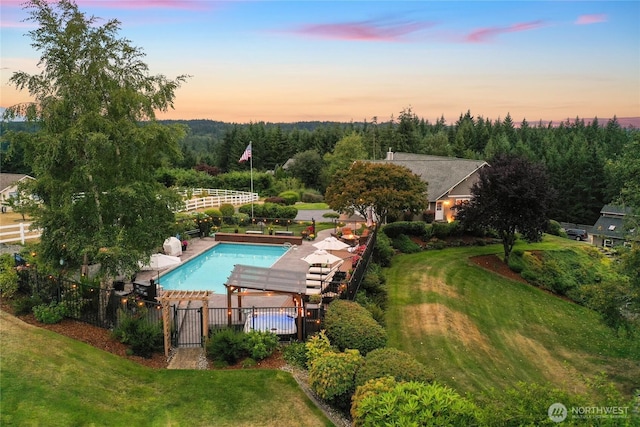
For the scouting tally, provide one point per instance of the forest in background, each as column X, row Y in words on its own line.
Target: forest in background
column 576, row 153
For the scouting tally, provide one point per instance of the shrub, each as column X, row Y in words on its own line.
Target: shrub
column 387, row 402
column 410, row 228
column 227, row 211
column 388, row 361
column 227, row 345
column 215, row 215
column 311, row 197
column 49, row 314
column 25, row 304
column 295, row 353
column 290, row 197
column 275, row 199
column 141, row 334
column 554, row 227
column 383, row 251
column 516, row 263
column 351, row 326
column 318, row 345
column 405, row 245
column 260, row 344
column 332, row 377
column 8, row 276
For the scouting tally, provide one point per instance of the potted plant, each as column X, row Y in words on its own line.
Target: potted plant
column 270, row 230
column 185, row 243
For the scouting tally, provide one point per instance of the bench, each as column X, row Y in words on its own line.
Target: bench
column 192, row 233
column 283, row 233
column 254, row 232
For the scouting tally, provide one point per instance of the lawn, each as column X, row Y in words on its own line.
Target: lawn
column 48, row 379
column 478, row 330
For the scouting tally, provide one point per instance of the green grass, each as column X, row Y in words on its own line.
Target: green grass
column 478, row 330
column 48, row 379
column 301, row 206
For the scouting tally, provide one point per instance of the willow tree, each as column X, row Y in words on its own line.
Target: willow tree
column 98, row 142
column 377, row 189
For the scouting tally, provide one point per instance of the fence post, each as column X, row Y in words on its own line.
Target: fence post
column 22, row 232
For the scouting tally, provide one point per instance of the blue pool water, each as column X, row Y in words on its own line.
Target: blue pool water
column 211, row 269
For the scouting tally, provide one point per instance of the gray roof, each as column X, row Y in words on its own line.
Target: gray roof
column 9, row 179
column 441, row 173
column 609, row 226
column 268, row 279
column 615, row 210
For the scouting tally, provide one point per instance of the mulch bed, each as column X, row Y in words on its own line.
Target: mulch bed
column 495, row 264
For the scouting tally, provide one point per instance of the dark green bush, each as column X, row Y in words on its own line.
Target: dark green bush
column 227, row 345
column 410, row 228
column 405, row 245
column 351, row 326
column 515, row 263
column 383, row 251
column 275, row 199
column 49, row 313
column 24, row 305
column 260, row 344
column 295, row 353
column 143, row 335
column 389, row 361
column 554, row 227
column 311, row 197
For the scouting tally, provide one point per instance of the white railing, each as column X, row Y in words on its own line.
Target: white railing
column 213, row 198
column 18, row 233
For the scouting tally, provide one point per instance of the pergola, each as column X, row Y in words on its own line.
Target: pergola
column 247, row 280
column 169, row 296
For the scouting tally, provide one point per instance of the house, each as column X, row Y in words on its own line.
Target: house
column 609, row 230
column 449, row 179
column 9, row 187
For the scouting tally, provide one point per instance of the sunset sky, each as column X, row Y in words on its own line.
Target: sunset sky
column 293, row 61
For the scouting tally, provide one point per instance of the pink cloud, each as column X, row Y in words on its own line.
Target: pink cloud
column 484, row 34
column 591, row 19
column 362, row 31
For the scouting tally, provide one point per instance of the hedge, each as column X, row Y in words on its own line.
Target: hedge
column 351, row 326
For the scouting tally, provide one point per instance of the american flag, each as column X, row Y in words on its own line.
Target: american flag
column 247, row 153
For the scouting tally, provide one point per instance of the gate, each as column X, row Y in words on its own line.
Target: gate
column 186, row 327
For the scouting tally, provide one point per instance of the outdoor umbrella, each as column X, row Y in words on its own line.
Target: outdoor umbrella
column 331, row 244
column 321, row 256
column 161, row 261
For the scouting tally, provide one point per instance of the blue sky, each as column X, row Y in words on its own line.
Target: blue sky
column 289, row 61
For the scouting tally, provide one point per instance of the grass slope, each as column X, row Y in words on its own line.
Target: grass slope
column 478, row 330
column 48, row 379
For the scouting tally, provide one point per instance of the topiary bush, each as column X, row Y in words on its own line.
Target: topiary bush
column 389, row 361
column 332, row 377
column 385, row 402
column 351, row 326
column 290, row 197
column 215, row 215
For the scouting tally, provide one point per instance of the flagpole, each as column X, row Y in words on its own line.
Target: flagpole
column 251, row 168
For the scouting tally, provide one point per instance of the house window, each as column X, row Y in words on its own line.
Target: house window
column 439, row 206
column 612, row 227
column 607, row 243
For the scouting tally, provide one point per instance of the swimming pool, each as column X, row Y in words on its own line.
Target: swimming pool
column 211, row 269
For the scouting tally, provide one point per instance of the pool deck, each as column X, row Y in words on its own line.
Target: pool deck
column 290, row 261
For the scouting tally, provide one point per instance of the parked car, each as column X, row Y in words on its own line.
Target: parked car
column 577, row 234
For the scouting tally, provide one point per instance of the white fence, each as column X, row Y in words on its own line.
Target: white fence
column 210, row 198
column 213, row 198
column 18, row 233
